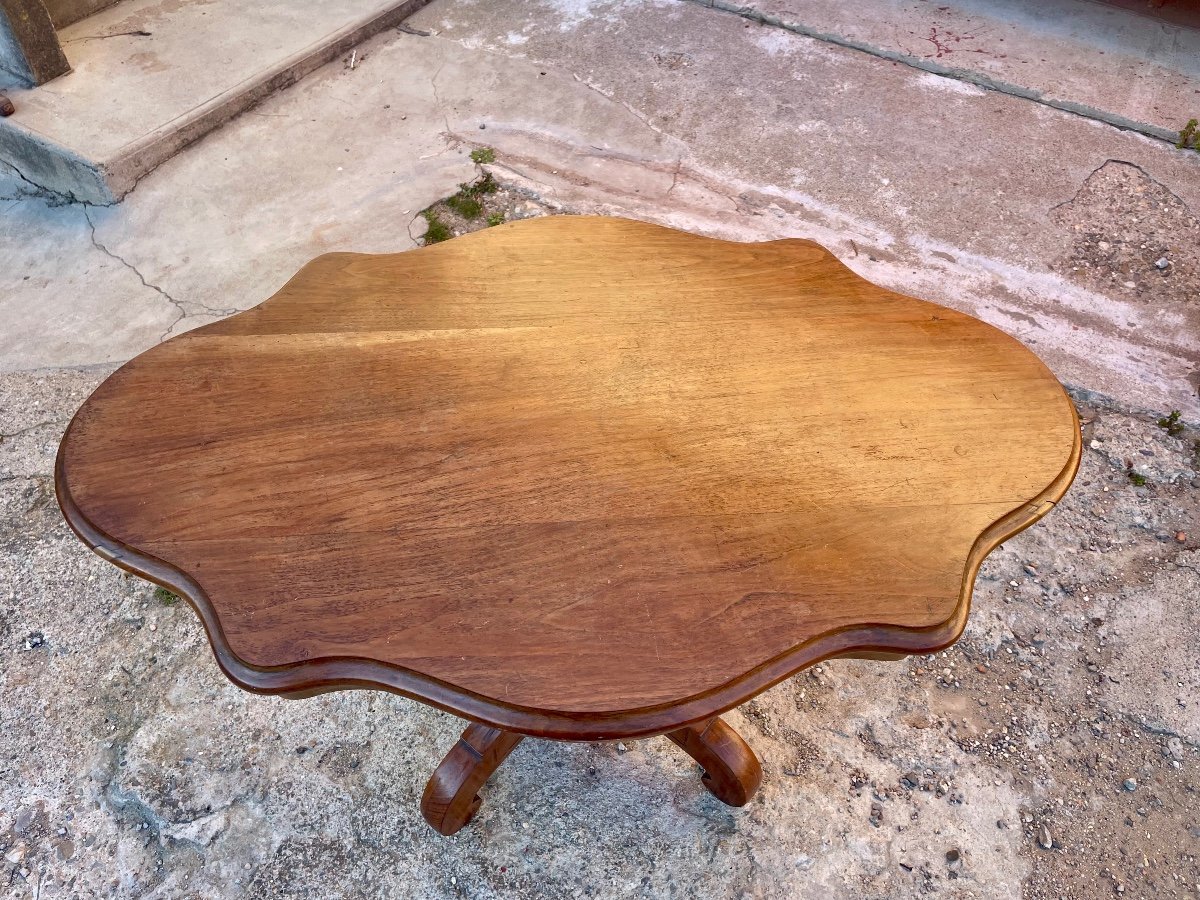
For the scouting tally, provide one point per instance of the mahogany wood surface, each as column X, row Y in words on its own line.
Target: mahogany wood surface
column 574, row 477
column 451, row 796
column 732, row 772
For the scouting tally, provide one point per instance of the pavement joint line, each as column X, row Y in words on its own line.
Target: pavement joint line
column 1082, row 110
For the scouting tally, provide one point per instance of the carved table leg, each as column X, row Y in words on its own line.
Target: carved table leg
column 451, row 797
column 731, row 770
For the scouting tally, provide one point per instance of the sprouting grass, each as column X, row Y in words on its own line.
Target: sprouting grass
column 465, row 205
column 1171, row 424
column 1189, row 136
column 438, row 230
column 165, row 597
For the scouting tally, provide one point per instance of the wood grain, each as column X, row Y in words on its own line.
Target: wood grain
column 732, row 772
column 574, row 477
column 451, row 798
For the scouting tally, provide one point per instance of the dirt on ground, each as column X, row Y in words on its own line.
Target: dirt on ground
column 1154, row 254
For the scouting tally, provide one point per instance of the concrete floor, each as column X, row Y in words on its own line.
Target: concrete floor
column 1046, row 223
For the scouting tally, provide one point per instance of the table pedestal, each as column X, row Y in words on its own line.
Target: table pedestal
column 732, row 772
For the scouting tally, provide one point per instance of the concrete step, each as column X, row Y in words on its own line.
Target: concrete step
column 151, row 76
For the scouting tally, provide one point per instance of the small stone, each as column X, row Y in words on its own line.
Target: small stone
column 953, row 856
column 17, row 853
column 1045, row 838
column 1130, row 784
column 910, row 780
column 621, row 748
column 1181, row 536
column 1130, row 284
column 34, row 640
column 24, row 819
column 1161, row 263
column 1174, row 748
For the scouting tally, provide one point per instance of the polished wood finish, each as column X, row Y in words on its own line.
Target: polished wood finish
column 575, row 477
column 732, row 772
column 451, row 797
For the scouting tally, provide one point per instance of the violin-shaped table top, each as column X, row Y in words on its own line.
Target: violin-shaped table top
column 575, row 477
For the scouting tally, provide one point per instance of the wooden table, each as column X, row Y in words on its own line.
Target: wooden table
column 573, row 478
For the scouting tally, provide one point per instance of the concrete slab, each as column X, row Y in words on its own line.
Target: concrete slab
column 151, row 76
column 1117, row 65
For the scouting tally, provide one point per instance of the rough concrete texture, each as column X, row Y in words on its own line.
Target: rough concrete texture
column 1123, row 66
column 151, row 76
column 1052, row 753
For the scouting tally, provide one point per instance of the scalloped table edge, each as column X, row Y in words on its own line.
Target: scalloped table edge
column 321, row 675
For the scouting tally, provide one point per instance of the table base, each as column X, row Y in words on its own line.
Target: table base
column 732, row 772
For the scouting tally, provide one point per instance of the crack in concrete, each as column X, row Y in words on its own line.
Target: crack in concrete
column 154, row 287
column 1123, row 162
column 20, row 431
column 178, row 304
column 645, row 120
column 1083, row 110
column 39, row 192
column 1159, row 730
column 437, row 97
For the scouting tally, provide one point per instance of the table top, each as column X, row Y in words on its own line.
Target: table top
column 577, row 477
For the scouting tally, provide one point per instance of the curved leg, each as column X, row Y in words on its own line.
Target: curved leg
column 451, row 797
column 731, row 770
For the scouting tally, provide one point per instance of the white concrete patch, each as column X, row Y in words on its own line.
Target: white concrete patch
column 777, row 42
column 950, row 85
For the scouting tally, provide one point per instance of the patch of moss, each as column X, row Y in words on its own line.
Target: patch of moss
column 438, row 230
column 481, row 156
column 1137, row 479
column 1189, row 136
column 465, row 205
column 165, row 597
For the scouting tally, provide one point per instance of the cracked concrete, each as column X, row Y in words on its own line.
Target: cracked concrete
column 129, row 767
column 178, row 304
